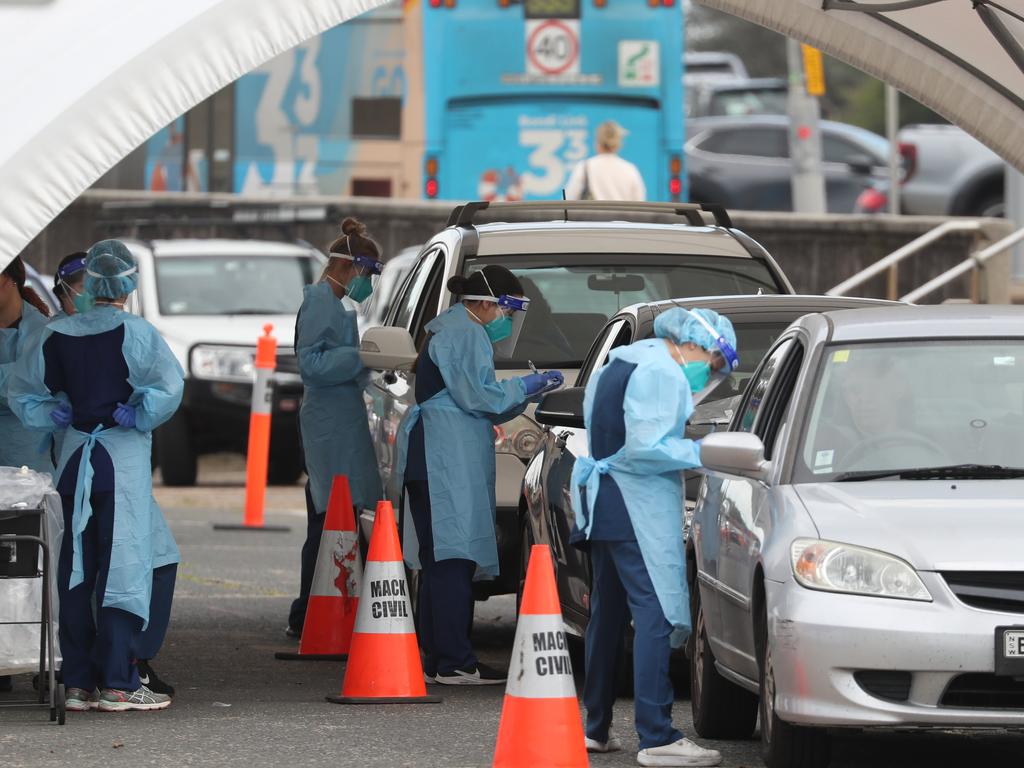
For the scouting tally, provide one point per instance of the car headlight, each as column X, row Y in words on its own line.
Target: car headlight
column 834, row 567
column 222, row 363
column 520, row 437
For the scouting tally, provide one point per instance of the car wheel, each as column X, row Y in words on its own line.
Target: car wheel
column 721, row 709
column 175, row 453
column 284, row 468
column 993, row 206
column 784, row 745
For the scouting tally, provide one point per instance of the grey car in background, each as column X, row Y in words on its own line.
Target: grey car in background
column 855, row 558
column 743, row 162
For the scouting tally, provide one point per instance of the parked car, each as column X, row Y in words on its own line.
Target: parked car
column 743, row 162
column 856, row 555
column 210, row 299
column 712, row 66
column 546, row 503
column 951, row 174
column 735, row 98
column 577, row 275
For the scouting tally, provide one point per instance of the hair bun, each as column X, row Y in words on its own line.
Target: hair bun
column 351, row 226
column 458, row 284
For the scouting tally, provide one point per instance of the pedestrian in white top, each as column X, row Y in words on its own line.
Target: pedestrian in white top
column 606, row 176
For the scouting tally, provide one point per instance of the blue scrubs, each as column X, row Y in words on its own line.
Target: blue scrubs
column 97, row 652
column 620, row 582
column 307, row 566
column 446, row 586
column 149, row 641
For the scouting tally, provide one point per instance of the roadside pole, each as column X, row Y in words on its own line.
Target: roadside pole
column 808, row 181
column 1014, row 198
column 892, row 128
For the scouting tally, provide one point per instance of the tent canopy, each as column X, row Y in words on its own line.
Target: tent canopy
column 962, row 58
column 87, row 81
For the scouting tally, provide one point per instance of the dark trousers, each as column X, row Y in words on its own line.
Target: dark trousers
column 314, row 532
column 149, row 641
column 445, row 596
column 100, row 651
column 622, row 587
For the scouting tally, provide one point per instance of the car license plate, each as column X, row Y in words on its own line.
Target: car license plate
column 1010, row 651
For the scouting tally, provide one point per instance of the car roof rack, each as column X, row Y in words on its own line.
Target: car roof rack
column 464, row 215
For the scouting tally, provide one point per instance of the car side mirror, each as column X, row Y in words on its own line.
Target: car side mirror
column 387, row 348
column 739, row 454
column 561, row 408
column 861, row 165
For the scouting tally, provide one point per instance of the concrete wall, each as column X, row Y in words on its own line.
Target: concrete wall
column 817, row 252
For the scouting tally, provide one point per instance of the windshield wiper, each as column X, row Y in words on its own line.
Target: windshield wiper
column 951, row 472
column 963, row 472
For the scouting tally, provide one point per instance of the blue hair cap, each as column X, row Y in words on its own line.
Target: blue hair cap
column 111, row 270
column 682, row 326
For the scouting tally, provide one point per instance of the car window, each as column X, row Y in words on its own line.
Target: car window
column 429, row 300
column 769, row 426
column 838, row 150
column 749, row 101
column 758, row 389
column 617, row 333
column 572, row 296
column 753, row 142
column 232, row 285
column 405, row 308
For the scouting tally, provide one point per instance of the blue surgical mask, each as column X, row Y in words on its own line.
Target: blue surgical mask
column 697, row 374
column 359, row 289
column 499, row 329
column 83, row 302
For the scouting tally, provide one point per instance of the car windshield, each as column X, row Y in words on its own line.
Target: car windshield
column 572, row 296
column 892, row 407
column 232, row 285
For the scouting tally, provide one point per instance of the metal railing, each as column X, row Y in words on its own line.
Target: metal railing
column 891, row 262
column 974, row 264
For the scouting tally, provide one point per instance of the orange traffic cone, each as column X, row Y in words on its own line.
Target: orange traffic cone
column 334, row 596
column 384, row 664
column 540, row 720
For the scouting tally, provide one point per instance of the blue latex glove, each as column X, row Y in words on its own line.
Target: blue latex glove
column 534, row 383
column 124, row 415
column 555, row 379
column 61, row 415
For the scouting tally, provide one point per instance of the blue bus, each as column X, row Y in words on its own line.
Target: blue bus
column 515, row 89
column 453, row 99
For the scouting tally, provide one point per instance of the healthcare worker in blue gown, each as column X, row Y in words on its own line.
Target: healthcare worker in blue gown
column 109, row 378
column 446, row 456
column 628, row 497
column 22, row 314
column 69, row 288
column 332, row 421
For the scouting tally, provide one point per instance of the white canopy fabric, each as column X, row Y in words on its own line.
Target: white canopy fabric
column 962, row 58
column 84, row 82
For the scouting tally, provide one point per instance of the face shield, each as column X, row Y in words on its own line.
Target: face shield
column 724, row 360
column 511, row 307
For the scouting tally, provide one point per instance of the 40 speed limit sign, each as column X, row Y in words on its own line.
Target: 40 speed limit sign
column 552, row 47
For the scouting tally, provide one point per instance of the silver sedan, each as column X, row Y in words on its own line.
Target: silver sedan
column 857, row 555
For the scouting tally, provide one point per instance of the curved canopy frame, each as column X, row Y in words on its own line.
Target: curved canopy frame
column 962, row 58
column 87, row 81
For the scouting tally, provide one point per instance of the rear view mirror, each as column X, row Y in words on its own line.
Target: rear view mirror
column 861, row 165
column 616, row 283
column 387, row 349
column 561, row 408
column 734, row 453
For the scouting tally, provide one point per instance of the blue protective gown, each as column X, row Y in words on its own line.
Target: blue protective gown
column 458, row 432
column 20, row 446
column 141, row 539
column 335, row 433
column 646, row 470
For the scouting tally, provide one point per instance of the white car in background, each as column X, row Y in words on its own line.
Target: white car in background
column 210, row 300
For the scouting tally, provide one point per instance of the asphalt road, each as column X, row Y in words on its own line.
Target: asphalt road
column 238, row 706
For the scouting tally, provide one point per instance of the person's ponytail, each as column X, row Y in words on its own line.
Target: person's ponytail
column 16, row 271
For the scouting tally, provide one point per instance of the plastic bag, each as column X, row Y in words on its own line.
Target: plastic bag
column 22, row 488
column 21, row 600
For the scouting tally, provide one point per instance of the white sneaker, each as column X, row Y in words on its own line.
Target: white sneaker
column 612, row 745
column 683, row 752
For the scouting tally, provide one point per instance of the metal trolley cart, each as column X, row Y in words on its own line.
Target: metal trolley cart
column 24, row 534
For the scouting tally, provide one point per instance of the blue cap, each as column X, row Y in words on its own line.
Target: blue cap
column 703, row 327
